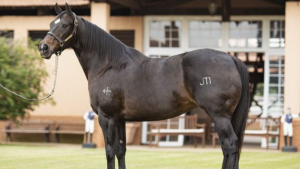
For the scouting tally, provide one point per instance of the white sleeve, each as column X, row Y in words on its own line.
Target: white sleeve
column 295, row 115
column 283, row 118
column 85, row 116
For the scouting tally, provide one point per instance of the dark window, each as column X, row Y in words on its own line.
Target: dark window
column 37, row 35
column 7, row 34
column 277, row 34
column 125, row 36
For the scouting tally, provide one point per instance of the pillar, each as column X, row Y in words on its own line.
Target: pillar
column 292, row 65
column 292, row 57
column 100, row 13
column 21, row 36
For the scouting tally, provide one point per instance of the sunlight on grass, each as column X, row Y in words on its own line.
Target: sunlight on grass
column 37, row 157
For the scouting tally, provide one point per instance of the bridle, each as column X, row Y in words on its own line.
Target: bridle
column 62, row 42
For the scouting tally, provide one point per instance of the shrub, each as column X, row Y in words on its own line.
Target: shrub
column 22, row 70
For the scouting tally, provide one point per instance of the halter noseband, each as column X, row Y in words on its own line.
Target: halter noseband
column 62, row 42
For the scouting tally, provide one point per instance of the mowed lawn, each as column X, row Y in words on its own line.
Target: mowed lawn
column 48, row 157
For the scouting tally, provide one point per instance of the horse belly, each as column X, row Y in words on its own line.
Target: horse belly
column 161, row 109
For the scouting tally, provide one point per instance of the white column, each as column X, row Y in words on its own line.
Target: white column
column 21, row 36
column 266, row 85
column 292, row 58
column 100, row 13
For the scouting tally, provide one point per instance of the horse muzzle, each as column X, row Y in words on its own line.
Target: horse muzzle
column 44, row 51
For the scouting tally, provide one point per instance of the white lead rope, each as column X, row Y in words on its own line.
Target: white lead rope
column 44, row 98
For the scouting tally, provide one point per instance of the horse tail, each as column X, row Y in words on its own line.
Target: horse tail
column 240, row 115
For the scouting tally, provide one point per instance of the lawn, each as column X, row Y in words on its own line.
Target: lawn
column 49, row 157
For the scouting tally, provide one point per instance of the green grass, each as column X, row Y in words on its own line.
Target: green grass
column 42, row 157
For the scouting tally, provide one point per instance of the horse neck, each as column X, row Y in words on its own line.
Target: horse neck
column 95, row 48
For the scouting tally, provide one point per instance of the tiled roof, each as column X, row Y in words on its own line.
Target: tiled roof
column 24, row 3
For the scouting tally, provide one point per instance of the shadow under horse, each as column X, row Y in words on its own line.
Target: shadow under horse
column 125, row 85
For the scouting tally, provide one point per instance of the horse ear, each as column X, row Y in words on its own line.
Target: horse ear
column 58, row 10
column 68, row 9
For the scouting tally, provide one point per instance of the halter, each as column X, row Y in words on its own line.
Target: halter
column 62, row 42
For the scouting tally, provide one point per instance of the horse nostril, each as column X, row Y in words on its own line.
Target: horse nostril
column 45, row 47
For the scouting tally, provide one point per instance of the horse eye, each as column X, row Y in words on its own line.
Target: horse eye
column 65, row 25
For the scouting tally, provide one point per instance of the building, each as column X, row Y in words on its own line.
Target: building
column 264, row 33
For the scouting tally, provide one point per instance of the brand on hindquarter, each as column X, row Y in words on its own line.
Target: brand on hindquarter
column 205, row 81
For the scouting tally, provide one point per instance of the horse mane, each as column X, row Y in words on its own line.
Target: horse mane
column 112, row 52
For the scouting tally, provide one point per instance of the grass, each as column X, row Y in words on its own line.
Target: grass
column 42, row 157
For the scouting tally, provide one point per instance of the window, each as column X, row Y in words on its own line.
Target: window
column 276, row 87
column 37, row 36
column 245, row 34
column 165, row 34
column 8, row 34
column 205, row 34
column 277, row 34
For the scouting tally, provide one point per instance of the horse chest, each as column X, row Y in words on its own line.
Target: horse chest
column 106, row 97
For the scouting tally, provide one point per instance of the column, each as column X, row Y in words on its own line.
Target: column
column 21, row 36
column 100, row 13
column 292, row 57
column 292, row 64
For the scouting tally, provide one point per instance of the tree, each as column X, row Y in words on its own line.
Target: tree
column 22, row 70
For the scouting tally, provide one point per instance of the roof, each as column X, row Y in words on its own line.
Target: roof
column 25, row 3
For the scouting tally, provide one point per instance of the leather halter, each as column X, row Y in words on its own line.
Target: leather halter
column 62, row 42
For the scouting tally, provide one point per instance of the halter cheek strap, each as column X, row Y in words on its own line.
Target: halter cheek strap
column 62, row 42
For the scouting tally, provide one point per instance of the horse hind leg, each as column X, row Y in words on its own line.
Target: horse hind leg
column 229, row 142
column 108, row 125
column 221, row 116
column 121, row 144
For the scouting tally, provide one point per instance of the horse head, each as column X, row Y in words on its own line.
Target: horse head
column 62, row 33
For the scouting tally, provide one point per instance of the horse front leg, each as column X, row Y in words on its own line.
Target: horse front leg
column 109, row 127
column 121, row 144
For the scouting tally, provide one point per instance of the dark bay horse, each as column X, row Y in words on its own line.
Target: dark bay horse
column 124, row 85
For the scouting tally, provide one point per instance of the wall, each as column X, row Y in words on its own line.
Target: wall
column 3, row 124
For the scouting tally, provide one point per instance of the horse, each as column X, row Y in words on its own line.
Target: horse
column 125, row 85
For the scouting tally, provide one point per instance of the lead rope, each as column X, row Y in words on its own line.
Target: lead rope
column 44, row 98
